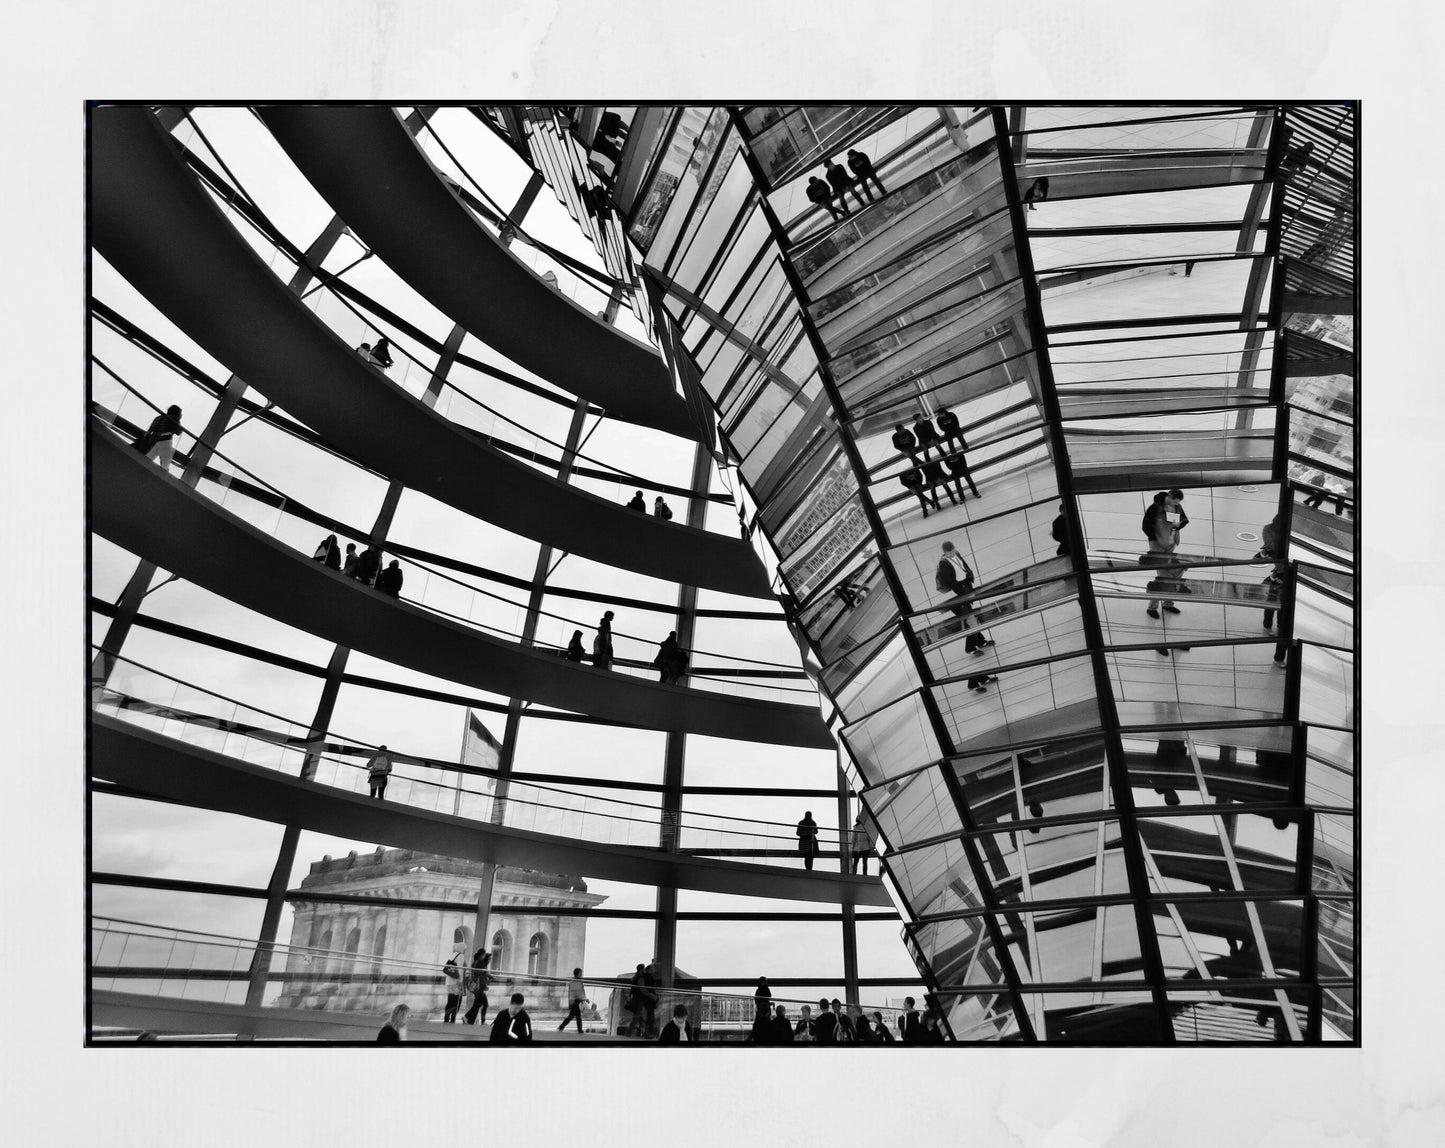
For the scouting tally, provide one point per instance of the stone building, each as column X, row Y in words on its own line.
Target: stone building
column 372, row 957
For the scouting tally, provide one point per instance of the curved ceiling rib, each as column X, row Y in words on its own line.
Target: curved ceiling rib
column 164, row 234
column 367, row 166
column 135, row 505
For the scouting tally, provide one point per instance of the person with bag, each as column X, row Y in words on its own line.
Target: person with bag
column 602, row 643
column 1163, row 538
column 328, row 553
column 476, row 984
column 452, row 975
column 955, row 577
column 156, row 441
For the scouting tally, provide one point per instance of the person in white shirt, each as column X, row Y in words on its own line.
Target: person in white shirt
column 577, row 997
column 677, row 1030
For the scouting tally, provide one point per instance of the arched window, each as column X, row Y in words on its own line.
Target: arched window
column 501, row 951
column 353, row 943
column 378, row 950
column 321, row 961
column 537, row 949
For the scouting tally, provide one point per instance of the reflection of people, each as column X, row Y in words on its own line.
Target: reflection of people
column 394, row 1030
column 819, row 192
column 1038, row 190
column 842, row 184
column 905, row 443
column 678, row 1030
column 954, row 576
column 863, row 168
column 1163, row 538
column 513, row 1026
column 1060, row 531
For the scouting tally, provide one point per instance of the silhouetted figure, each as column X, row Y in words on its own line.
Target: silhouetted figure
column 863, row 168
column 389, row 580
column 825, row 1028
column 819, row 192
column 950, row 428
column 642, row 1003
column 932, row 1028
column 808, row 839
column 910, row 1024
column 863, row 1027
column 661, row 510
column 328, row 553
column 843, row 1032
column 805, row 1031
column 478, row 982
column 782, row 1027
column 378, row 769
column 1060, row 531
column 575, row 651
column 924, row 432
column 904, row 441
column 913, row 480
column 937, row 478
column 678, row 1030
column 381, row 353
column 156, row 443
column 671, row 660
column 602, row 643
column 957, row 463
column 1038, row 190
column 368, row 564
column 348, row 567
column 762, row 998
column 842, row 183
column 638, row 503
column 761, row 1031
column 512, row 1026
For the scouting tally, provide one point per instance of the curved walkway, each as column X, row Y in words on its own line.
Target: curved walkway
column 135, row 505
column 156, row 226
column 163, row 767
column 367, row 166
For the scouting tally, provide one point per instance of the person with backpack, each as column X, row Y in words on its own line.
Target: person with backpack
column 476, row 984
column 955, row 578
column 156, row 442
column 1163, row 537
column 378, row 769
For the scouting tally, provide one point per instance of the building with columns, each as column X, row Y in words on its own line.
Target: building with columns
column 374, row 956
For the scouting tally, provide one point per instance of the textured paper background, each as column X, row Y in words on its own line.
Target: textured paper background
column 56, row 55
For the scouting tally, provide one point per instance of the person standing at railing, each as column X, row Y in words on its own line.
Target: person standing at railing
column 670, row 661
column 861, row 846
column 1060, row 531
column 513, row 1026
column 804, row 1032
column 378, row 769
column 328, row 553
column 782, row 1026
column 842, row 183
column 762, row 998
column 661, row 510
column 576, row 998
column 844, row 1032
column 348, row 567
column 808, row 839
column 825, row 1028
column 881, row 1035
column 157, row 442
column 381, row 353
column 602, row 643
column 678, row 1030
column 477, row 986
column 910, row 1024
column 637, row 503
column 389, row 580
column 394, row 1030
column 367, row 565
column 575, row 650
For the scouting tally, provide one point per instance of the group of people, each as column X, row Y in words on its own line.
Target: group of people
column 833, row 1024
column 378, row 354
column 859, row 842
column 839, row 183
column 364, row 567
column 660, row 509
column 954, row 577
column 670, row 662
column 949, row 471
